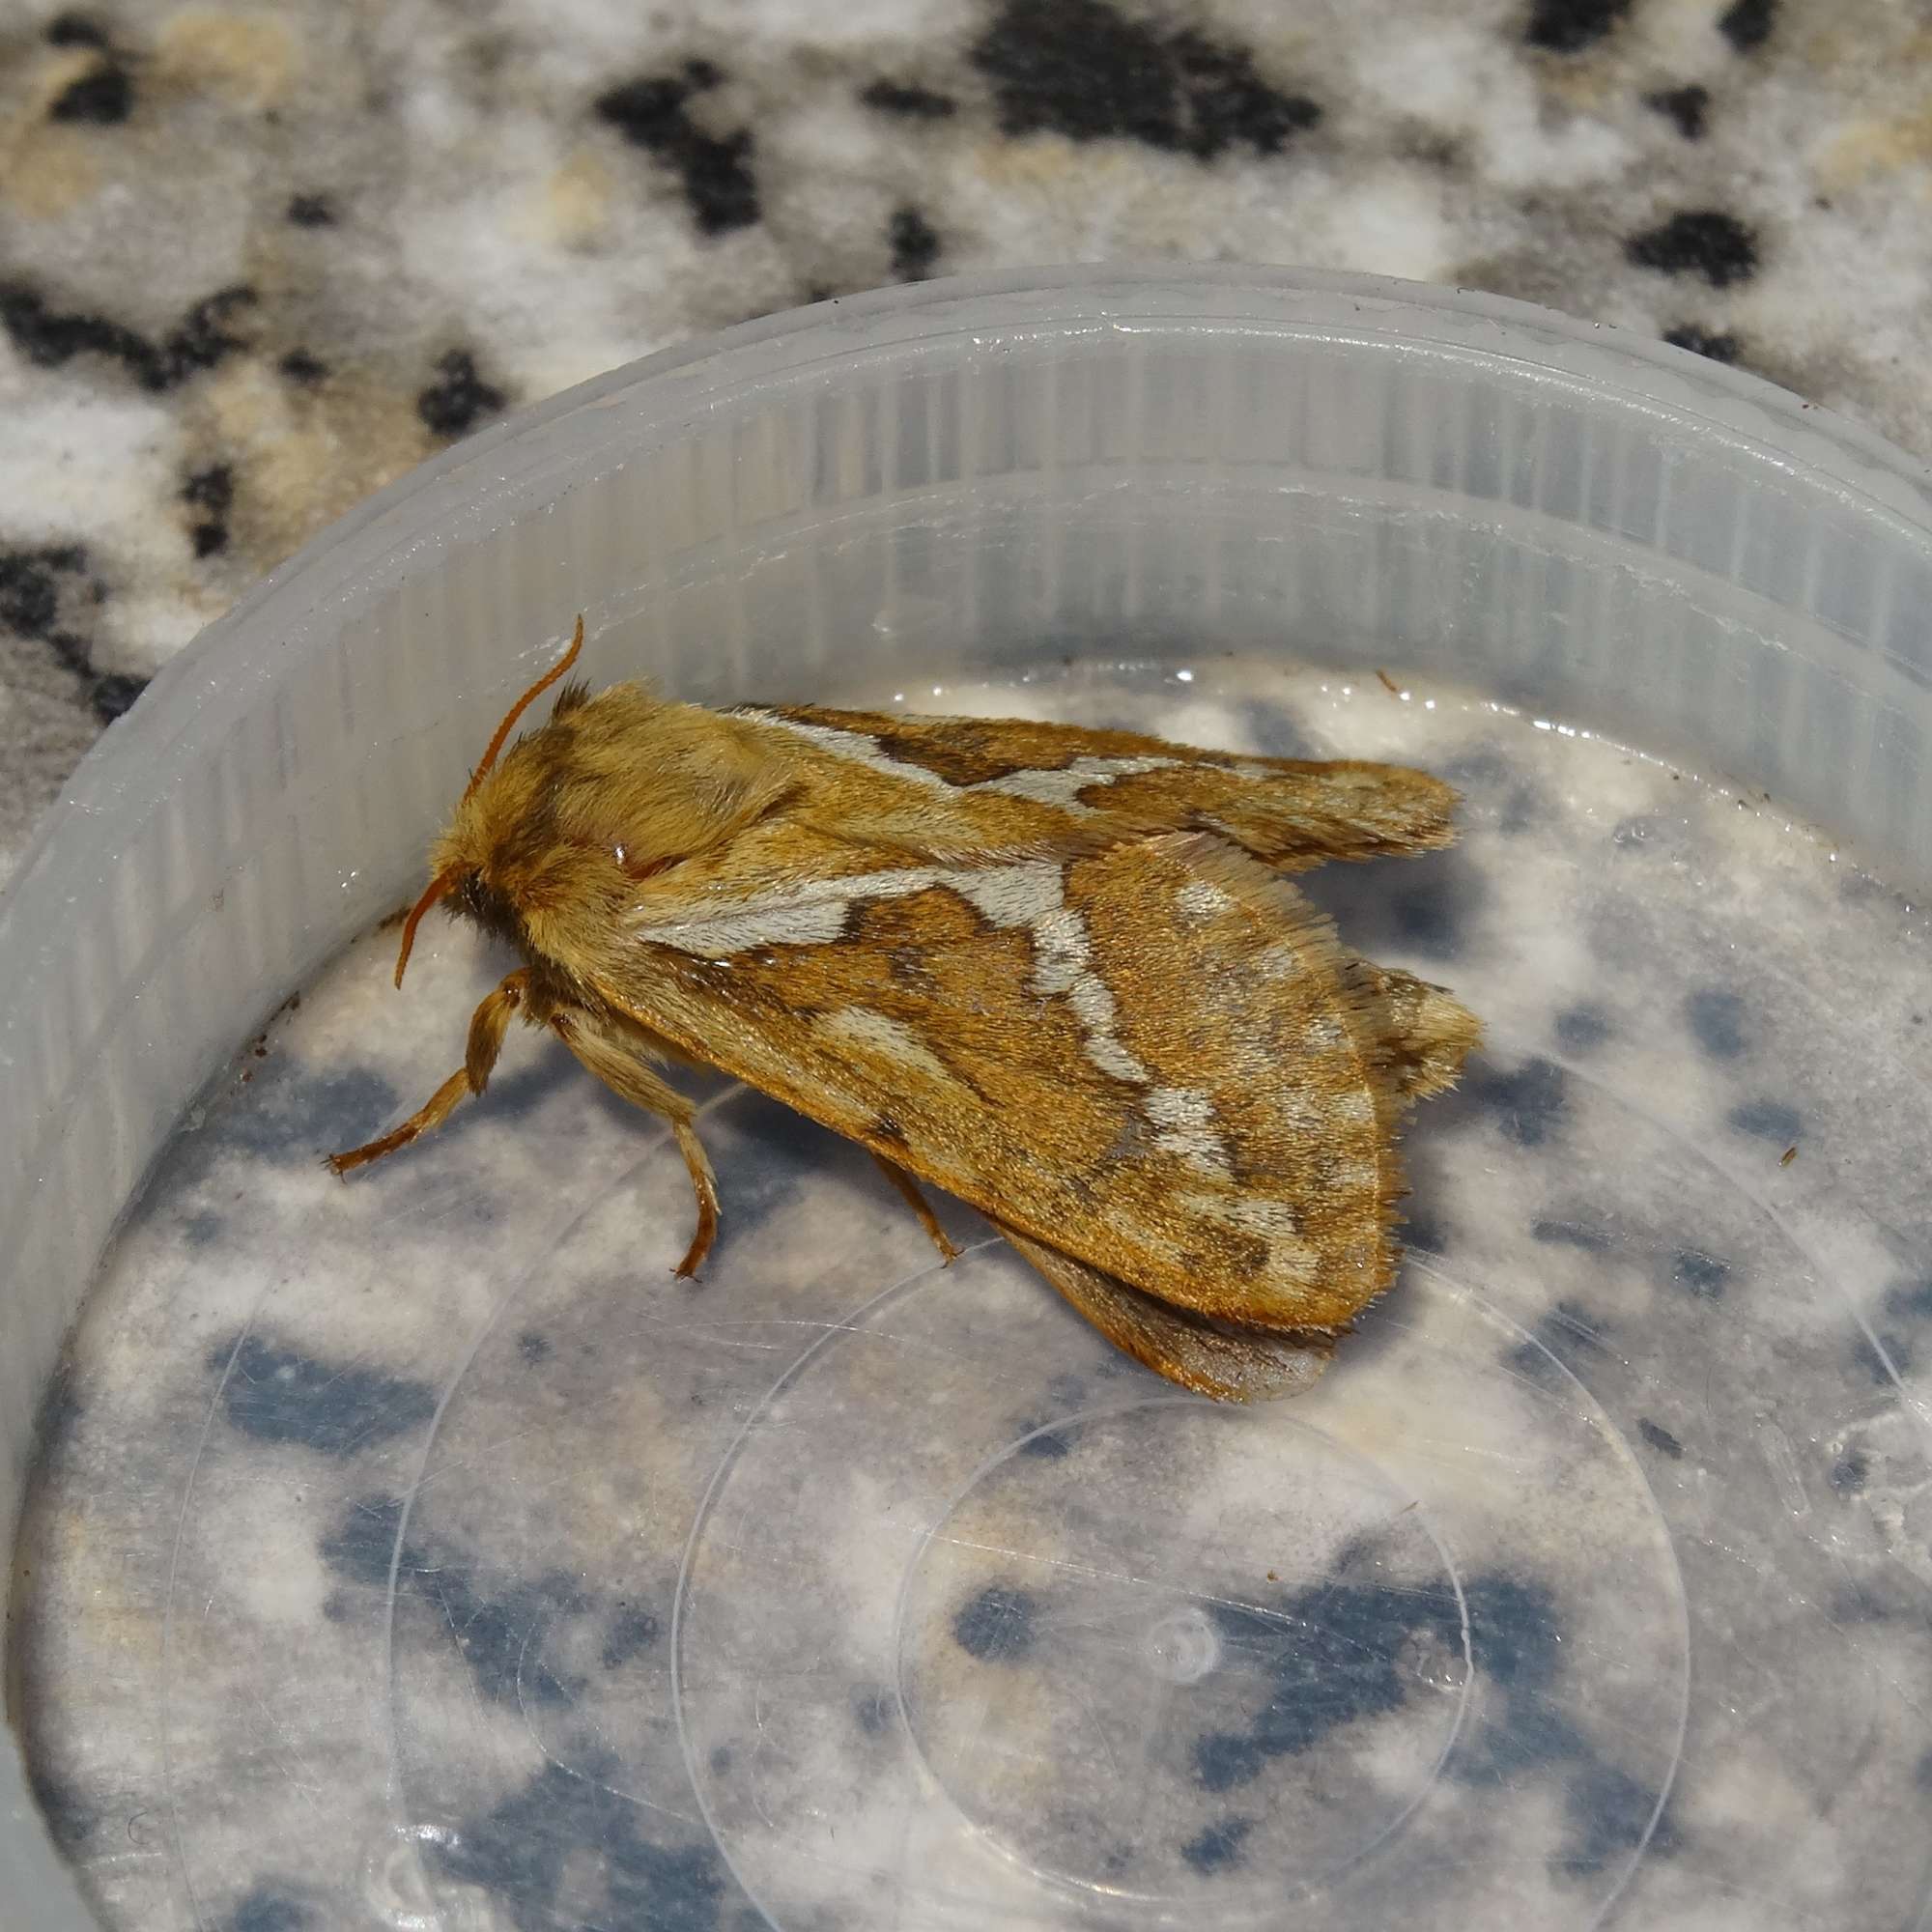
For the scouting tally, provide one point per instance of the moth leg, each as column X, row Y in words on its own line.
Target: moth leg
column 488, row 1025
column 621, row 1069
column 908, row 1187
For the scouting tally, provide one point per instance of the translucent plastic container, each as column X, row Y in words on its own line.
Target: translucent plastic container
column 417, row 1553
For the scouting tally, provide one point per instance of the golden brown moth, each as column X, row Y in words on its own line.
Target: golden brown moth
column 1060, row 973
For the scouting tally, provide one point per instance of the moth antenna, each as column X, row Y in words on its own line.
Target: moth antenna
column 437, row 886
column 523, row 704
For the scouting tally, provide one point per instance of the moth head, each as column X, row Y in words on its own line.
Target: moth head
column 462, row 852
column 616, row 802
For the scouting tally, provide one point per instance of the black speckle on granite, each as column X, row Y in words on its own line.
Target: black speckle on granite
column 1335, row 1655
column 105, row 97
column 299, row 365
column 1224, row 1760
column 268, row 1908
column 714, row 170
column 1569, row 26
column 915, row 103
column 1719, row 345
column 633, row 1629
column 1426, row 919
column 1049, row 1445
column 73, row 651
column 1885, row 1356
column 1513, row 1633
column 50, row 337
column 872, row 1712
column 1703, row 1275
column 1906, row 1305
column 1581, row 1029
column 113, row 694
column 498, row 1631
column 211, row 491
column 1659, row 1438
column 1688, row 107
column 1531, row 1735
column 1697, row 241
column 31, row 586
column 34, row 583
column 1768, row 1120
column 1528, row 1103
column 363, row 1549
column 1227, row 101
column 75, row 30
column 1563, row 1330
column 1850, row 1473
column 202, row 339
column 1279, row 730
column 311, row 211
column 1910, row 1300
column 279, row 1395
column 578, row 1822
column 913, row 243
column 459, row 398
column 1217, row 1847
column 297, row 1115
column 1079, row 68
column 1424, row 1232
column 1425, row 909
column 1609, row 1815
column 1515, row 1641
column 534, row 1347
column 997, row 1627
column 1746, row 24
column 1717, row 1016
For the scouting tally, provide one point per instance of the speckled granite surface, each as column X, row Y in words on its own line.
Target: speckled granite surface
column 256, row 261
column 417, row 1554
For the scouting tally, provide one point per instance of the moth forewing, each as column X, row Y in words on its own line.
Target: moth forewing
column 1155, row 1057
column 1291, row 813
column 1051, row 970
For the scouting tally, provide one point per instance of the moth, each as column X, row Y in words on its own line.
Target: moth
column 1062, row 973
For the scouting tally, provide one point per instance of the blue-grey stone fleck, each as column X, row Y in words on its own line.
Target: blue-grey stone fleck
column 280, row 1395
column 1717, row 1018
column 1218, row 1846
column 1768, row 1120
column 997, row 1626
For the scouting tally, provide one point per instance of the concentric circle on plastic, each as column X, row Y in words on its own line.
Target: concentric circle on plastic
column 1143, row 1653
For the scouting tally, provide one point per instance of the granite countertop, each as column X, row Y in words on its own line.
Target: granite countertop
column 257, row 262
column 399, row 1560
